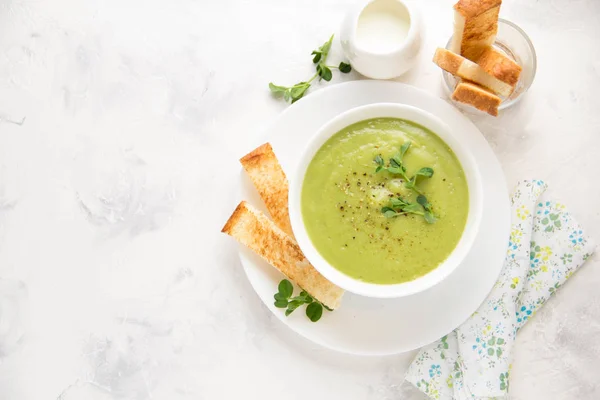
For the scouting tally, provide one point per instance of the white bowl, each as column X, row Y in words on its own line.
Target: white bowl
column 376, row 64
column 429, row 121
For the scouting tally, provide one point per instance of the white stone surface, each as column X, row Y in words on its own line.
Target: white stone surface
column 121, row 126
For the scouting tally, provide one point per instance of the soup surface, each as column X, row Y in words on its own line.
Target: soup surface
column 342, row 200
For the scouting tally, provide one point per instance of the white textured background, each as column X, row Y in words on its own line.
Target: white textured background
column 121, row 125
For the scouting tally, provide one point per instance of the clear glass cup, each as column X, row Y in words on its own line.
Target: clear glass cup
column 514, row 42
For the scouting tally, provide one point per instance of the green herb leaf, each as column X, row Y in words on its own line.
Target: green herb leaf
column 275, row 89
column 292, row 305
column 404, row 148
column 413, row 209
column 307, row 297
column 287, row 95
column 422, row 200
column 429, row 217
column 344, row 67
column 285, row 288
column 278, row 296
column 317, row 56
column 395, row 170
column 314, row 311
column 326, row 47
column 427, row 172
column 281, row 303
column 298, row 90
column 395, row 162
column 324, row 72
column 397, row 203
column 389, row 212
column 379, row 160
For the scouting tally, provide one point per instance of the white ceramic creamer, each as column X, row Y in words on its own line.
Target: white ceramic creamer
column 382, row 38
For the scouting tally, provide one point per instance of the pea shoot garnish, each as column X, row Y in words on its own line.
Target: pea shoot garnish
column 399, row 206
column 429, row 217
column 284, row 299
column 294, row 93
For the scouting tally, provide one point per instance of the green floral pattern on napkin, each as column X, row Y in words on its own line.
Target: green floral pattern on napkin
column 545, row 248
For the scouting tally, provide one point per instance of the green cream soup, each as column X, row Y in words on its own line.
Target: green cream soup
column 343, row 197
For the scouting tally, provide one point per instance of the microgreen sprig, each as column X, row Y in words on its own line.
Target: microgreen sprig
column 322, row 52
column 396, row 167
column 297, row 91
column 399, row 206
column 283, row 299
column 429, row 216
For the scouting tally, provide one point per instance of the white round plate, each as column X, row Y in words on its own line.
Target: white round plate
column 367, row 326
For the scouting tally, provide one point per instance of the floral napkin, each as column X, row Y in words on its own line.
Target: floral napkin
column 546, row 247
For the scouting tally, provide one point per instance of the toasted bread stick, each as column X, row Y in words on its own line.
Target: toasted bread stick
column 499, row 66
column 476, row 96
column 475, row 27
column 467, row 69
column 256, row 231
column 268, row 177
